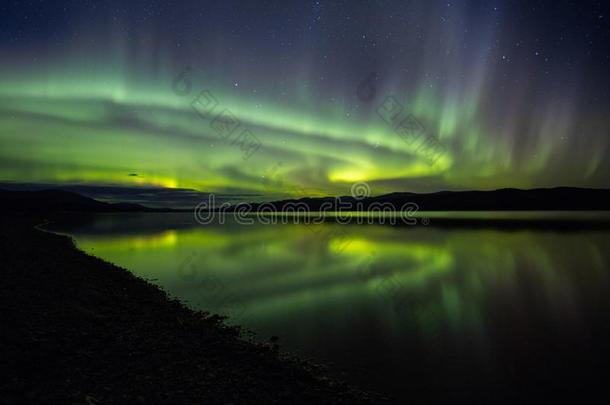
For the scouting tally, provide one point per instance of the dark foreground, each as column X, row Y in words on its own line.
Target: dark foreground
column 76, row 329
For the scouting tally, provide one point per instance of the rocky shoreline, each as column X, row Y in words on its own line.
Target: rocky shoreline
column 80, row 330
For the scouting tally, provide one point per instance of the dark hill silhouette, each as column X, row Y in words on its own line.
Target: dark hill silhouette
column 59, row 200
column 551, row 199
column 508, row 199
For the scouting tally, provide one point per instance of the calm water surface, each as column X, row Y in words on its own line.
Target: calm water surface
column 418, row 312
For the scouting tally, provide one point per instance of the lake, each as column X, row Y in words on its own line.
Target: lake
column 426, row 312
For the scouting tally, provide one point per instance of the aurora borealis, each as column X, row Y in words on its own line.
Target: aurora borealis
column 516, row 93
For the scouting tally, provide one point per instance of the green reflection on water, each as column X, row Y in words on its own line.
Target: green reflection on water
column 335, row 291
column 276, row 271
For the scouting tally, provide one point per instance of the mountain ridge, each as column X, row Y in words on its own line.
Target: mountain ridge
column 505, row 199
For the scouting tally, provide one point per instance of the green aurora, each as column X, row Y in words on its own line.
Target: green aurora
column 103, row 108
column 65, row 129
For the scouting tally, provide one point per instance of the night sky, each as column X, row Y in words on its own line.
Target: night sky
column 264, row 97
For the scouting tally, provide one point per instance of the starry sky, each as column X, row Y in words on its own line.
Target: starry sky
column 261, row 98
